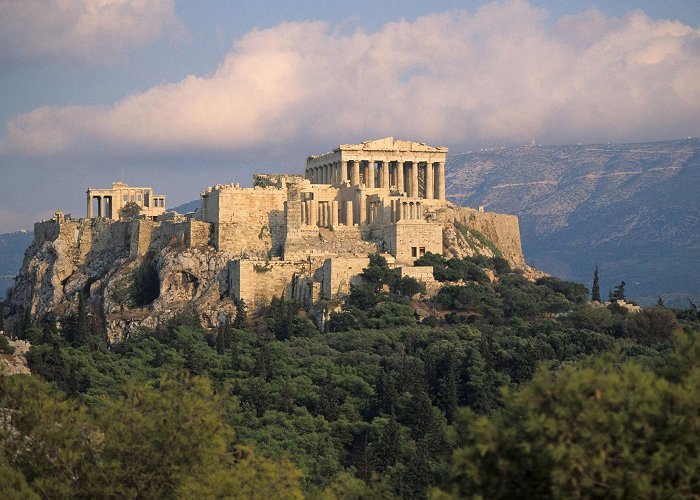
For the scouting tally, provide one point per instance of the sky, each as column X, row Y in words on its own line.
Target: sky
column 180, row 95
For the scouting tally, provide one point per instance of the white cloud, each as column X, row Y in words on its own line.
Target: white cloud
column 94, row 30
column 502, row 73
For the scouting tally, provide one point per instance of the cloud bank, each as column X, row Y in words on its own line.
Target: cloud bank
column 503, row 73
column 92, row 30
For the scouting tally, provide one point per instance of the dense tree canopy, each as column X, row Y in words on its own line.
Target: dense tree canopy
column 492, row 387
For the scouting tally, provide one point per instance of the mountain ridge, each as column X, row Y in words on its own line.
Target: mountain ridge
column 631, row 209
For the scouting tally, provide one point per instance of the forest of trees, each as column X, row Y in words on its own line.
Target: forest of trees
column 499, row 386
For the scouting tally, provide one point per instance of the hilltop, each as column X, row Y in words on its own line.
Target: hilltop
column 631, row 209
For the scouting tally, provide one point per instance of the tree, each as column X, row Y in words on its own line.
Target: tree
column 595, row 289
column 409, row 286
column 239, row 322
column 601, row 430
column 130, row 211
column 650, row 326
column 619, row 292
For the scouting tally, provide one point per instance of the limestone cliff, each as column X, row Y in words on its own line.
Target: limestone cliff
column 109, row 263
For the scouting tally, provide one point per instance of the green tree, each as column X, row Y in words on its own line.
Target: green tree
column 5, row 347
column 650, row 326
column 241, row 319
column 602, row 430
column 619, row 292
column 409, row 286
column 595, row 289
column 130, row 211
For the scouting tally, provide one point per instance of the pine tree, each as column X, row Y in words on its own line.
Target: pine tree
column 619, row 293
column 660, row 302
column 595, row 290
column 2, row 316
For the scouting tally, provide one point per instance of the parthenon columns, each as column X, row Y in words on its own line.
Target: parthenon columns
column 441, row 181
column 429, row 186
column 414, row 180
column 355, row 178
column 343, row 171
column 369, row 174
column 399, row 176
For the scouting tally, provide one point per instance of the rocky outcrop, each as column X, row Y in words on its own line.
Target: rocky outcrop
column 141, row 273
column 15, row 363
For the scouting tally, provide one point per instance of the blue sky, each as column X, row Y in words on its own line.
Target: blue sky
column 181, row 95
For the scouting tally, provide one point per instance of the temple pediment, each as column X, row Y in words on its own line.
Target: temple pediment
column 391, row 144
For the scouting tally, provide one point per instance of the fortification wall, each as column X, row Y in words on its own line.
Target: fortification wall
column 409, row 240
column 421, row 273
column 257, row 281
column 339, row 273
column 246, row 220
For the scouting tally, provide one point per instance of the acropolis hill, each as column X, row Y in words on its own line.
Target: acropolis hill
column 305, row 237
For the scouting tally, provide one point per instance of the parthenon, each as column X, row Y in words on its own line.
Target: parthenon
column 403, row 166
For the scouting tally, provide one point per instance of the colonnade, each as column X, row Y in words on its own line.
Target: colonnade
column 320, row 214
column 105, row 206
column 326, row 214
column 419, row 179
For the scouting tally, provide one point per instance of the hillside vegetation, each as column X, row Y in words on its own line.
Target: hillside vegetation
column 495, row 386
column 631, row 209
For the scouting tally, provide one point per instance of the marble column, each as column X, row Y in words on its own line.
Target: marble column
column 334, row 214
column 348, row 213
column 369, row 174
column 399, row 175
column 429, row 176
column 441, row 181
column 343, row 171
column 362, row 199
column 355, row 179
column 89, row 206
column 312, row 213
column 414, row 180
column 385, row 175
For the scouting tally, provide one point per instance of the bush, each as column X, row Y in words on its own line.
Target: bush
column 408, row 286
column 5, row 347
column 650, row 326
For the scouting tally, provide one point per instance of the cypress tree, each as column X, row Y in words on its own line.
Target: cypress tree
column 81, row 322
column 595, row 290
column 241, row 318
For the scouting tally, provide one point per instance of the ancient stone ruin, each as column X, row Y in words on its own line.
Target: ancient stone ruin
column 303, row 237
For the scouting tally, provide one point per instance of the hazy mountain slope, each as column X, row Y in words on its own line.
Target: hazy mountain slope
column 188, row 207
column 633, row 209
column 12, row 247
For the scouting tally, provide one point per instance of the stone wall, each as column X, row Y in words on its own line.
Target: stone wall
column 421, row 273
column 246, row 221
column 409, row 240
column 339, row 273
column 257, row 281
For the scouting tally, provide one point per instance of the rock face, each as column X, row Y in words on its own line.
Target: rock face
column 140, row 273
column 16, row 363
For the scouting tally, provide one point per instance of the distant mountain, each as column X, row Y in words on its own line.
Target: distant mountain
column 185, row 208
column 631, row 209
column 12, row 247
